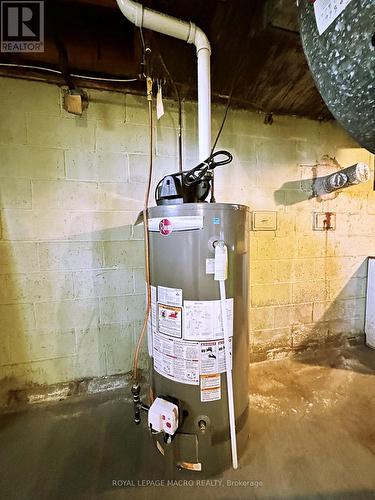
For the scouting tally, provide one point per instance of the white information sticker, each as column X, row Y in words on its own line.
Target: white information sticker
column 202, row 319
column 213, row 357
column 170, row 296
column 176, row 359
column 326, row 12
column 170, row 320
column 210, row 266
column 210, row 387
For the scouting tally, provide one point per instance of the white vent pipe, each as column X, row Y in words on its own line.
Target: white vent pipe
column 190, row 33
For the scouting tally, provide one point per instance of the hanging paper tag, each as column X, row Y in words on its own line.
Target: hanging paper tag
column 159, row 103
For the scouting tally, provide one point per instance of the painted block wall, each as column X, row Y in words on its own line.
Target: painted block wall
column 72, row 261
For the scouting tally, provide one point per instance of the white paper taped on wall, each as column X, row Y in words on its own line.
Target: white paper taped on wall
column 210, row 387
column 202, row 319
column 326, row 11
column 170, row 320
column 170, row 296
column 176, row 359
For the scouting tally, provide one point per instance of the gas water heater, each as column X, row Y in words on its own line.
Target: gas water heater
column 190, row 412
column 196, row 272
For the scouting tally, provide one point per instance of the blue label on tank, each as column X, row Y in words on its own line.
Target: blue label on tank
column 215, row 220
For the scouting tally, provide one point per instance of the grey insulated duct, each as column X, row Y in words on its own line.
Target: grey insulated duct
column 338, row 38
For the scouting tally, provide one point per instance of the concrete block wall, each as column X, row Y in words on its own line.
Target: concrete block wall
column 307, row 287
column 71, row 259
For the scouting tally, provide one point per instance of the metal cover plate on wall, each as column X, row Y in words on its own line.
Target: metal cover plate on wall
column 264, row 221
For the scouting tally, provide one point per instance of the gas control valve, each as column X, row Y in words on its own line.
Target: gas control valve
column 163, row 416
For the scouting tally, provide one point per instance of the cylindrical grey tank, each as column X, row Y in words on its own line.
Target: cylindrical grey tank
column 181, row 241
column 341, row 57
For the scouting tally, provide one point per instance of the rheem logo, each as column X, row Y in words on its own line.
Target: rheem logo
column 165, row 227
column 22, row 26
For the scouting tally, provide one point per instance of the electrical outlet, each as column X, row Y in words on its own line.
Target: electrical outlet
column 75, row 101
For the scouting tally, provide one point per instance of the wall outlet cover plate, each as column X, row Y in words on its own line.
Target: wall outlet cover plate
column 264, row 221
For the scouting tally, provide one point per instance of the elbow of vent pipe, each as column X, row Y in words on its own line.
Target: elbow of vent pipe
column 198, row 38
column 190, row 33
column 133, row 11
column 168, row 25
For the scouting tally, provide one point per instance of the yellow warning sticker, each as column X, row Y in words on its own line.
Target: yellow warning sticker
column 170, row 320
column 210, row 387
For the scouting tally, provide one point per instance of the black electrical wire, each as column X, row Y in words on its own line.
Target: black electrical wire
column 223, row 121
column 233, row 86
column 143, row 61
column 198, row 172
column 212, row 199
column 179, row 111
column 145, row 72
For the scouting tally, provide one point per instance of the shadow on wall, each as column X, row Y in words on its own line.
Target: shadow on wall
column 72, row 316
column 333, row 324
column 118, row 287
column 338, row 320
column 331, row 314
column 302, row 191
column 338, row 324
column 13, row 321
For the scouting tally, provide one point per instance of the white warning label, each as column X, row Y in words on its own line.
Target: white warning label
column 210, row 387
column 326, row 12
column 176, row 359
column 170, row 296
column 210, row 266
column 213, row 356
column 202, row 319
column 170, row 320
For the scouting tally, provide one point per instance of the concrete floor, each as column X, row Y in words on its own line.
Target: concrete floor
column 312, row 437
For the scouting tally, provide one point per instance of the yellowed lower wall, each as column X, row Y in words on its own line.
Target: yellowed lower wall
column 71, row 260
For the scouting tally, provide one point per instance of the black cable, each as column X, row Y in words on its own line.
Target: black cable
column 223, row 122
column 179, row 111
column 143, row 61
column 197, row 173
column 212, row 199
column 234, row 83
